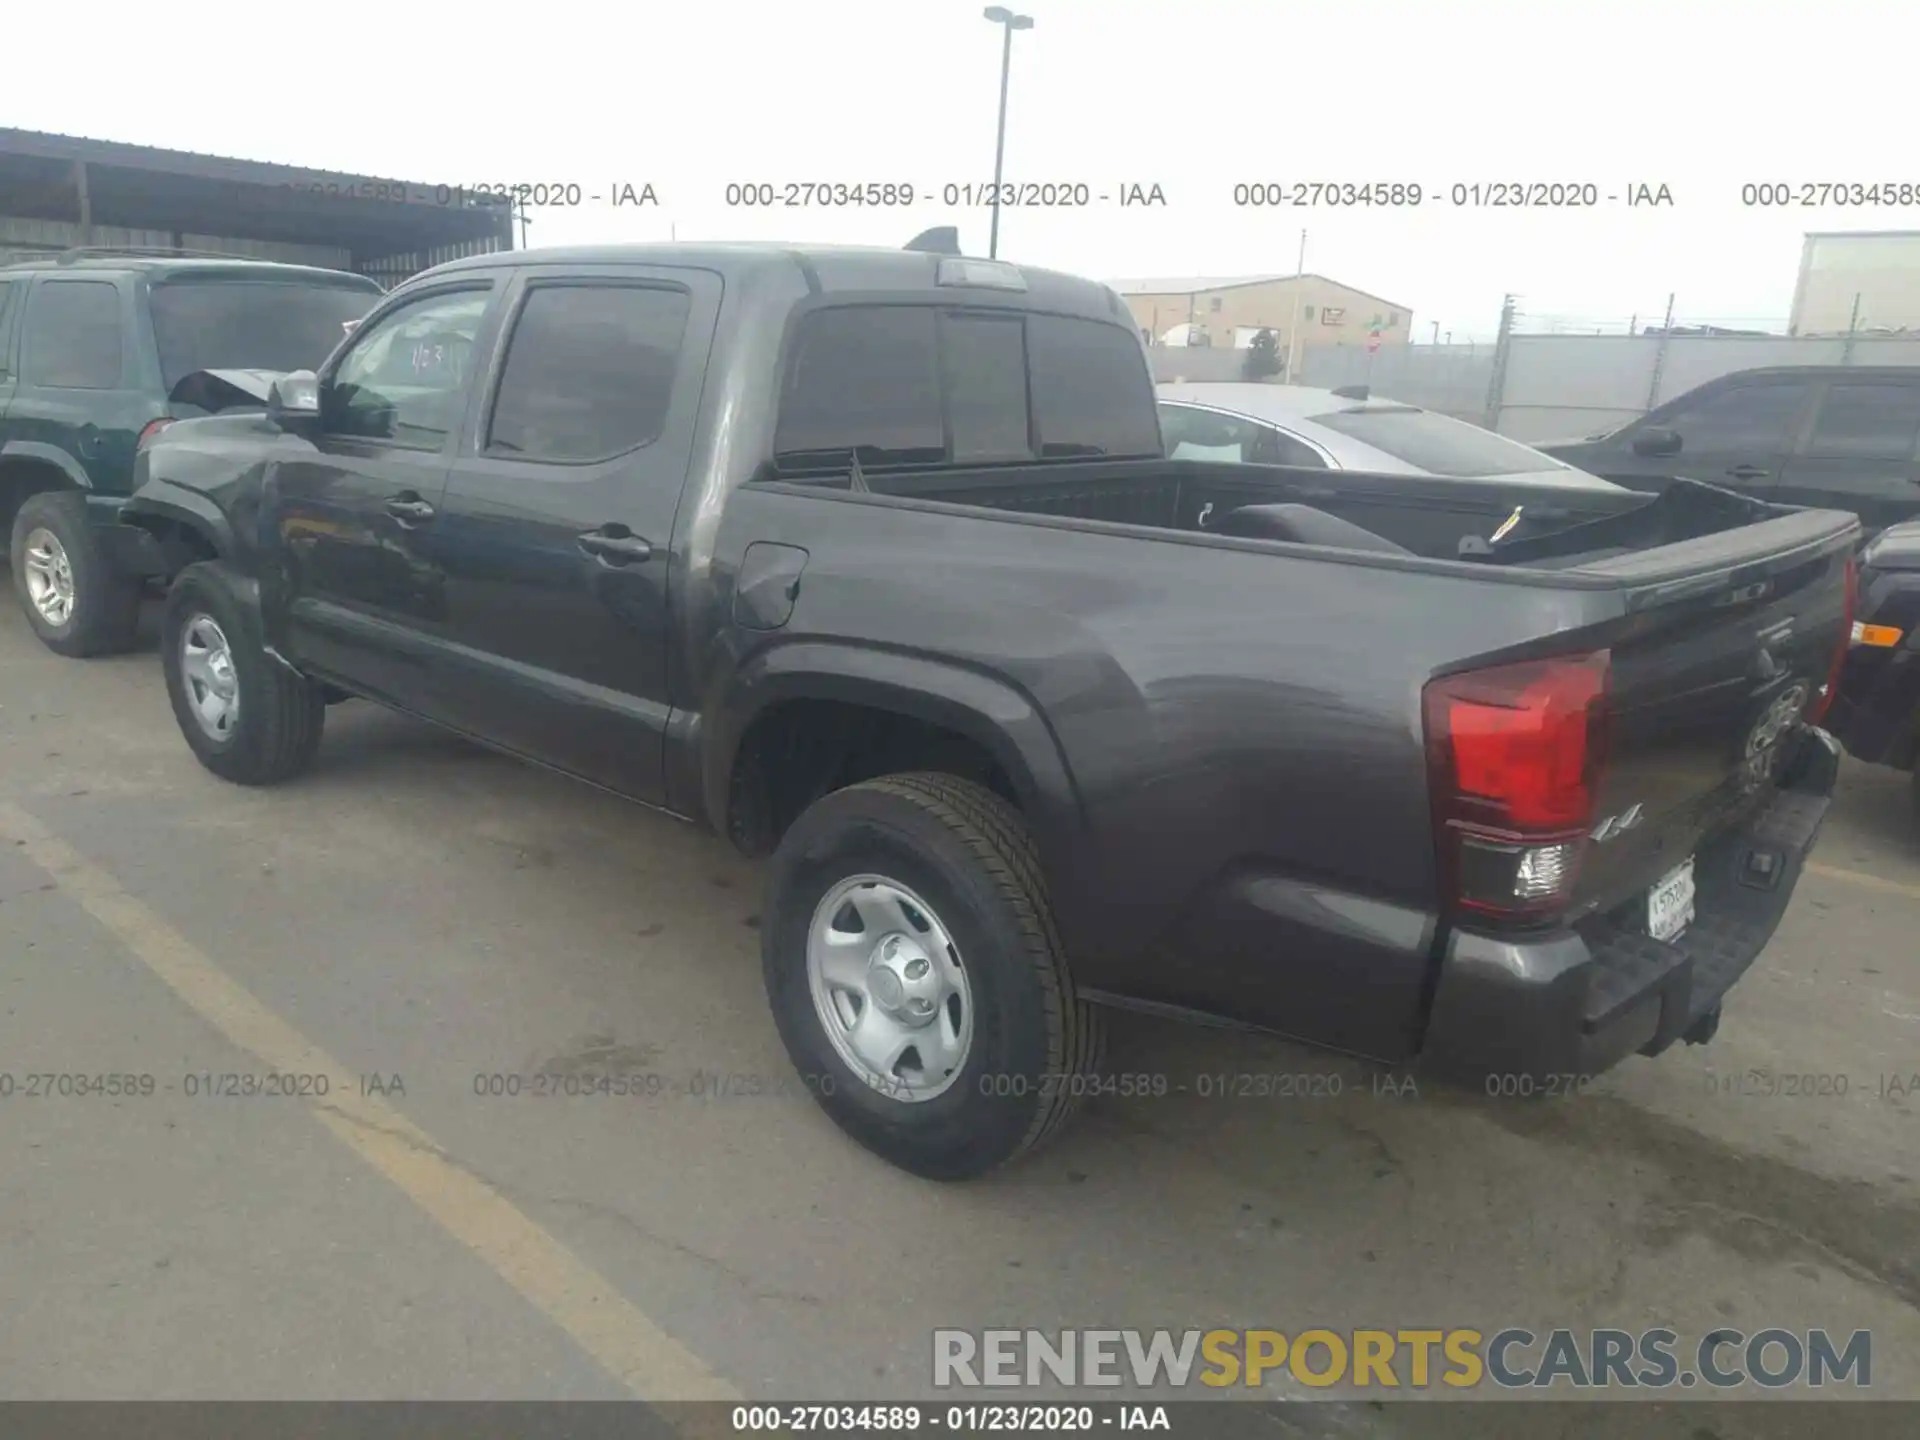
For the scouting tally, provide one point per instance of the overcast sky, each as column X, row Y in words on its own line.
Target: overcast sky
column 1192, row 95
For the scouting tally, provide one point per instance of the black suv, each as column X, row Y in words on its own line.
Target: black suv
column 1838, row 437
column 97, row 351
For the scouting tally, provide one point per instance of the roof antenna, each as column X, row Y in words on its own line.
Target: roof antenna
column 940, row 240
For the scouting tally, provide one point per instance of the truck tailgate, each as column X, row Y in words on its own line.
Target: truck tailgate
column 1712, row 670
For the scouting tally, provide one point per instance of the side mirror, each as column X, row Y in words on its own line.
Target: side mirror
column 293, row 402
column 1656, row 441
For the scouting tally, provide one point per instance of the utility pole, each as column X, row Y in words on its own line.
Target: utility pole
column 1009, row 22
column 1502, row 347
column 1293, row 329
column 1660, row 355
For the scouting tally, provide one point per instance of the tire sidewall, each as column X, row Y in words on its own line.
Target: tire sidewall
column 967, row 1128
column 64, row 515
column 195, row 593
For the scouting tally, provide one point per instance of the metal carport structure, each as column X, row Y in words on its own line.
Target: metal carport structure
column 60, row 191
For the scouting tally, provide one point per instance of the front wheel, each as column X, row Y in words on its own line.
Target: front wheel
column 245, row 716
column 916, row 978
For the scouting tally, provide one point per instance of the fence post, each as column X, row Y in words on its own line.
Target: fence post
column 1853, row 325
column 1502, row 346
column 1660, row 356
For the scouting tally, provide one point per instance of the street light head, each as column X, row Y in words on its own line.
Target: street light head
column 999, row 14
column 1023, row 22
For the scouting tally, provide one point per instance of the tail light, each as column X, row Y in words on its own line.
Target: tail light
column 1823, row 702
column 1515, row 754
column 153, row 428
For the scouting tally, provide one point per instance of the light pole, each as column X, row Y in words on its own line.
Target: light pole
column 1010, row 22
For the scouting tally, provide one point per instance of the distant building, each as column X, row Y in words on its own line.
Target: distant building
column 1226, row 313
column 1860, row 280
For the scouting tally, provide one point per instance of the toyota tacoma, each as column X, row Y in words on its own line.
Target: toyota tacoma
column 872, row 561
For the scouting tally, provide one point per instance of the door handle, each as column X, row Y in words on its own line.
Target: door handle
column 409, row 509
column 616, row 549
column 1747, row 472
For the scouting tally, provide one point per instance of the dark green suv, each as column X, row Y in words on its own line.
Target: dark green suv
column 100, row 350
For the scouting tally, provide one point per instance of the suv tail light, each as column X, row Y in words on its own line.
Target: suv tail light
column 1515, row 754
column 1823, row 702
column 153, row 428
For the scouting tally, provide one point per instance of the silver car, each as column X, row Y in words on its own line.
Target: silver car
column 1345, row 430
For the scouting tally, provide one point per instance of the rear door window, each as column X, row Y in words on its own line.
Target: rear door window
column 1192, row 434
column 227, row 324
column 589, row 371
column 1195, row 434
column 1864, row 421
column 73, row 336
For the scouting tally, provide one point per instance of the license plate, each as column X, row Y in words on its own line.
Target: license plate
column 1670, row 903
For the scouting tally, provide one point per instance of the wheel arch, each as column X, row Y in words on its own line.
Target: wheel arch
column 981, row 711
column 166, row 510
column 32, row 468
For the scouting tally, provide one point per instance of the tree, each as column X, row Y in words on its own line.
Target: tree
column 1263, row 356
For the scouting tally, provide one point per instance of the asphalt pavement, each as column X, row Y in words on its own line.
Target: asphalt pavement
column 433, row 947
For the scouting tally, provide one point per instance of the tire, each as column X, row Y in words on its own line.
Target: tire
column 54, row 543
column 274, row 732
column 967, row 856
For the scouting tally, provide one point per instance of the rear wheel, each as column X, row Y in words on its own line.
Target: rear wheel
column 917, row 980
column 244, row 715
column 77, row 603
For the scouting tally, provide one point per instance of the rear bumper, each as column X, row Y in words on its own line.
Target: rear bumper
column 1575, row 1002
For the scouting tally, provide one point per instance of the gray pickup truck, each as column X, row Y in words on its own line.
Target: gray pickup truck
column 871, row 561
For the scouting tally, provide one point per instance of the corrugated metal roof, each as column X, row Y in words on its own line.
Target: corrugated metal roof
column 54, row 145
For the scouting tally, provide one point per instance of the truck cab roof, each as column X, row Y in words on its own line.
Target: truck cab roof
column 829, row 269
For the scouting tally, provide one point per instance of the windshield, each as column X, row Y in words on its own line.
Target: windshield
column 251, row 324
column 1441, row 445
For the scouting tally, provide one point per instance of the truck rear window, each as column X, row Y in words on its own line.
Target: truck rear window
column 919, row 385
column 251, row 324
column 1438, row 444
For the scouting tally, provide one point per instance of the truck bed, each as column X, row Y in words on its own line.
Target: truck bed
column 1428, row 518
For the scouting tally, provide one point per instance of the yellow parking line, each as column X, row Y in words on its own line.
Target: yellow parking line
column 1861, row 878
column 626, row 1343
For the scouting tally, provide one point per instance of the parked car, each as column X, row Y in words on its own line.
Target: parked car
column 872, row 561
column 1842, row 437
column 1877, row 714
column 98, row 351
column 1345, row 429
